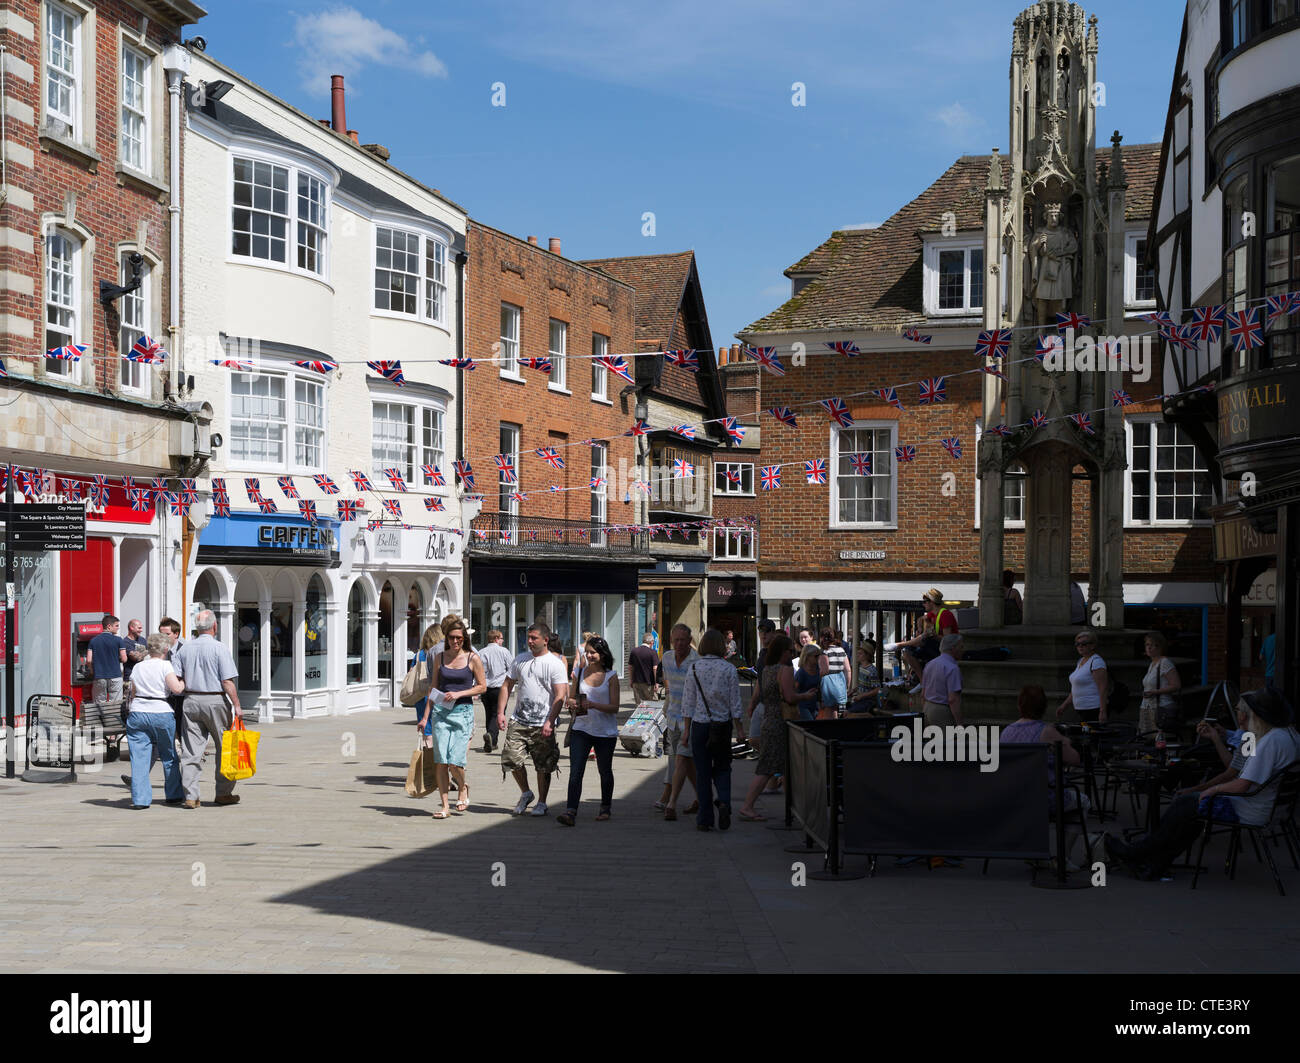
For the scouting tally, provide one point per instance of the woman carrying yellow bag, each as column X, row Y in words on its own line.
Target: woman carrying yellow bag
column 239, row 751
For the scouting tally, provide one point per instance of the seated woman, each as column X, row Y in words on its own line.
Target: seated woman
column 865, row 697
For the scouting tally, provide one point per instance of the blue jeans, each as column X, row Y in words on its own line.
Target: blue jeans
column 147, row 733
column 580, row 746
column 710, row 773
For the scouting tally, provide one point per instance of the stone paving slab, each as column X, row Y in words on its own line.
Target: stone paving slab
column 326, row 865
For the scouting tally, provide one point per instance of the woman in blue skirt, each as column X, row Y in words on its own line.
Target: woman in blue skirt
column 458, row 676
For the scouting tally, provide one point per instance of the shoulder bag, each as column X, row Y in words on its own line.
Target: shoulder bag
column 418, row 681
column 719, row 743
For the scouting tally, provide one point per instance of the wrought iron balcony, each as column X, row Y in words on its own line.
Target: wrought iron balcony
column 502, row 534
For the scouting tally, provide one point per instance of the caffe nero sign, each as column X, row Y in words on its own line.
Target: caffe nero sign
column 254, row 539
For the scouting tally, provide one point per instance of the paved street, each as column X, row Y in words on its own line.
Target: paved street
column 326, row 865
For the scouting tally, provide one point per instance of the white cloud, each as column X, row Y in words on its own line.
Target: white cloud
column 342, row 40
column 956, row 117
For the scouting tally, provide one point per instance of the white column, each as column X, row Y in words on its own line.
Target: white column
column 370, row 618
column 265, row 714
column 299, row 653
column 336, row 654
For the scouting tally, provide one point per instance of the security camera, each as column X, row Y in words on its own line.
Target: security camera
column 197, row 43
column 136, row 259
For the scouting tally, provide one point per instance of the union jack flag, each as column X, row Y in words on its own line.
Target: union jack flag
column 326, row 484
column 838, row 411
column 3, row 371
column 221, row 505
column 845, row 347
column 479, row 534
column 267, row 505
column 1120, row 397
column 766, row 357
column 683, row 468
column 642, row 486
column 348, row 508
column 371, row 525
column 71, row 490
column 389, row 371
column 1278, row 306
column 685, row 431
column 597, row 482
column 551, row 456
column 733, row 429
column 889, row 396
column 253, row 486
column 434, row 505
column 468, row 364
column 519, row 496
column 683, row 359
column 465, row 473
column 506, row 466
column 784, row 414
column 175, row 503
column 189, row 490
column 286, row 486
column 242, row 365
column 999, row 430
column 815, row 468
column 1245, row 329
column 544, row 364
column 1207, row 323
column 1072, row 320
column 70, row 353
column 1046, row 345
column 139, row 499
column 582, row 533
column 128, row 483
column 159, row 485
column 1084, row 421
column 770, row 477
column 933, row 389
column 1160, row 317
column 617, row 365
column 732, row 475
column 360, row 480
column 395, row 478
column 433, row 475
column 1184, row 336
column 993, row 370
column 99, row 489
column 993, row 343
column 219, row 485
column 532, row 534
column 146, row 351
column 393, row 506
column 915, row 336
column 318, row 366
column 952, row 445
column 556, row 487
column 905, row 453
column 1037, row 419
column 861, row 464
column 639, row 429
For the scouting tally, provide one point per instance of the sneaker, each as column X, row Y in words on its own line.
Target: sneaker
column 539, row 809
column 191, row 804
column 487, row 743
column 126, row 779
column 525, row 799
column 229, row 799
column 724, row 817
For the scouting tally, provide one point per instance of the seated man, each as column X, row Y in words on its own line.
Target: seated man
column 1241, row 799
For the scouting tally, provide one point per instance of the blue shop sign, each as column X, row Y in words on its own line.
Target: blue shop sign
column 269, row 539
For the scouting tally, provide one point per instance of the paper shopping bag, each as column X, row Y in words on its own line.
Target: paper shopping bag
column 421, row 776
column 239, row 751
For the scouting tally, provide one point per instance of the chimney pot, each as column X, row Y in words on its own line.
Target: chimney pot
column 338, row 118
column 555, row 245
column 352, row 136
column 533, row 240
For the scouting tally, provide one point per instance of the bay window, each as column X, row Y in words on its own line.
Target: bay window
column 277, row 421
column 405, row 437
column 261, row 215
column 411, row 274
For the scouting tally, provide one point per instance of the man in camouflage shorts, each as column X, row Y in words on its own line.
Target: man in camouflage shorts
column 543, row 687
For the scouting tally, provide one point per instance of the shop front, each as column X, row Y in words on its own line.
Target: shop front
column 731, row 605
column 672, row 593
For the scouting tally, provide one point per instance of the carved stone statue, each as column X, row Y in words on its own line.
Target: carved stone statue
column 1051, row 255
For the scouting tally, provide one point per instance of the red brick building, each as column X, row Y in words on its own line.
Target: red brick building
column 859, row 551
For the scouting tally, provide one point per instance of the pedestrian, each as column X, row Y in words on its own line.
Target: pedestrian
column 107, row 656
column 866, row 695
column 211, row 705
column 556, row 648
column 711, row 712
column 1078, row 604
column 804, row 637
column 1088, row 682
column 843, row 643
column 594, row 728
column 542, row 690
column 941, row 682
column 641, row 664
column 1160, row 687
column 766, row 632
column 496, row 664
column 681, row 766
column 808, row 681
column 732, row 649
column 151, row 724
column 776, row 680
column 457, row 672
column 172, row 630
column 1013, row 605
column 431, row 646
column 835, row 673
column 923, row 648
column 136, row 649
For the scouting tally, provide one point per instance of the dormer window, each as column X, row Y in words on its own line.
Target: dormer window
column 954, row 278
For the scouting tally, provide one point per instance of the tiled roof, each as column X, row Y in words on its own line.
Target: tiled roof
column 872, row 278
column 660, row 281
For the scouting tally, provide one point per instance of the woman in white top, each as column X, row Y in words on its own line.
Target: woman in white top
column 1088, row 682
column 594, row 727
column 1159, row 685
column 710, row 714
column 151, row 723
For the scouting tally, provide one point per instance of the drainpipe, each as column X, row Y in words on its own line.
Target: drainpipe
column 176, row 61
column 462, row 421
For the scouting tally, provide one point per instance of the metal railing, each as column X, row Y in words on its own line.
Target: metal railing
column 504, row 533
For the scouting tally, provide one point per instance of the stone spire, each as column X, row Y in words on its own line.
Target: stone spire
column 1118, row 179
column 995, row 174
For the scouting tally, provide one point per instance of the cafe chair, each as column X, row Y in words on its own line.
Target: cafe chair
column 1280, row 824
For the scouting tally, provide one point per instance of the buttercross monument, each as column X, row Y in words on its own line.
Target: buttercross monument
column 1055, row 225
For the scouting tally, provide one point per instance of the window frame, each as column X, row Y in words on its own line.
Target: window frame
column 144, row 297
column 832, row 472
column 282, row 369
column 294, row 166
column 933, row 250
column 721, row 467
column 1131, row 301
column 599, row 495
column 67, row 371
column 75, row 119
column 1149, row 423
column 599, row 372
column 422, row 278
column 508, row 507
column 739, row 535
column 417, row 450
column 145, row 165
column 559, row 376
column 509, row 366
column 1008, row 476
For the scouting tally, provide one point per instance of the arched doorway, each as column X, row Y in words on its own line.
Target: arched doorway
column 414, row 619
column 357, row 665
column 315, row 633
column 386, row 595
column 207, row 595
column 284, row 592
column 248, row 634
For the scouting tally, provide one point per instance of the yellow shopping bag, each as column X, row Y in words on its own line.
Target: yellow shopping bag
column 239, row 751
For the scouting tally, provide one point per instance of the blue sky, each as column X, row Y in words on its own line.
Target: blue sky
column 682, row 108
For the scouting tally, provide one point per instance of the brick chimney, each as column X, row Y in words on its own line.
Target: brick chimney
column 555, row 245
column 533, row 240
column 339, row 118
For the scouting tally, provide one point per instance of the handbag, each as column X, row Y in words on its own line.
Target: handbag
column 416, row 685
column 421, row 776
column 719, row 740
column 239, row 751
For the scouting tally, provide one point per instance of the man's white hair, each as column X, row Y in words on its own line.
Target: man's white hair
column 204, row 621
